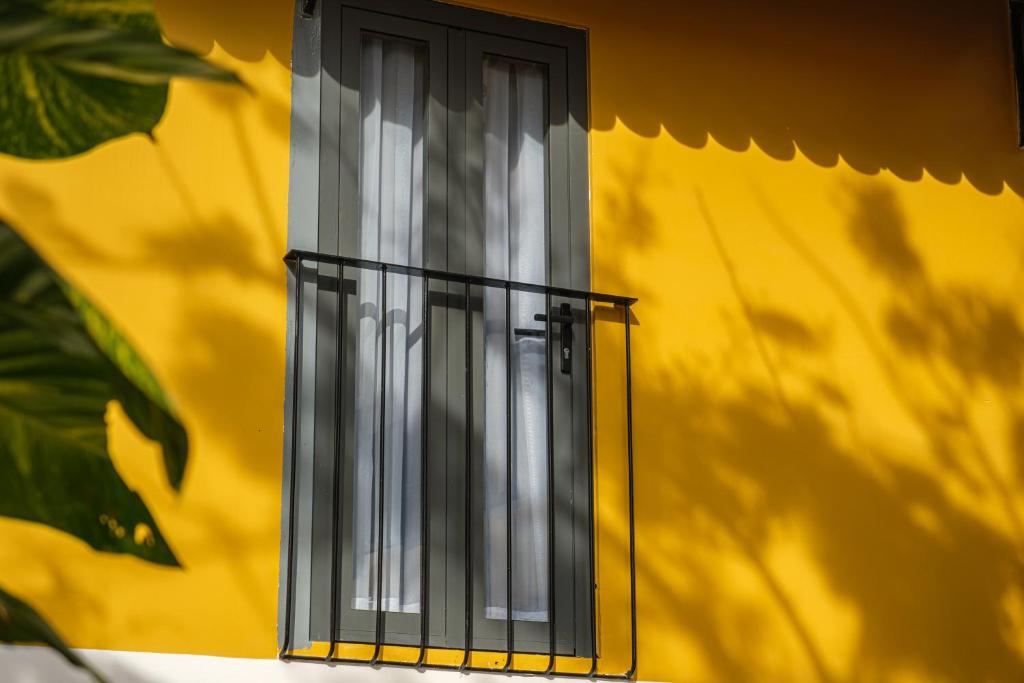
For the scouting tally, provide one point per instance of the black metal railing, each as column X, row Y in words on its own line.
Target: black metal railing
column 298, row 261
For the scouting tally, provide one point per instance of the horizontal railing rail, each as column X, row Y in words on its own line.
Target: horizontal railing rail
column 297, row 260
column 299, row 255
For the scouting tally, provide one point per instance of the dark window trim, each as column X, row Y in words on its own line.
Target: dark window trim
column 316, row 162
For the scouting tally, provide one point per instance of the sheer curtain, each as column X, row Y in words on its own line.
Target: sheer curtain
column 515, row 171
column 391, row 195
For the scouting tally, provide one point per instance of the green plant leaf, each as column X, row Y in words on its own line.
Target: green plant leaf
column 76, row 73
column 61, row 363
column 19, row 623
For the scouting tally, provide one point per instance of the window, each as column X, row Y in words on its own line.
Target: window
column 441, row 491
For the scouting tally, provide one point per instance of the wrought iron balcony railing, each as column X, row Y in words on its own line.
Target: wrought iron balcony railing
column 326, row 273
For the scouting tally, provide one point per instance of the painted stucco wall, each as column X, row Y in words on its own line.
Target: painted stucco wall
column 819, row 206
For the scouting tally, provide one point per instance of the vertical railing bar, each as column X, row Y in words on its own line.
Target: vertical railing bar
column 552, row 631
column 424, row 482
column 466, row 657
column 591, row 482
column 339, row 422
column 296, row 376
column 509, row 623
column 383, row 311
column 632, row 513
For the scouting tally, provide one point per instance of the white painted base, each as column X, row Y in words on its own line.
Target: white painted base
column 25, row 664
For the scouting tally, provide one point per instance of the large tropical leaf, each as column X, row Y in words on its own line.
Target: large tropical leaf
column 76, row 73
column 19, row 623
column 61, row 363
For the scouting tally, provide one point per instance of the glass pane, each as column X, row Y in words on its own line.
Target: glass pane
column 515, row 248
column 391, row 220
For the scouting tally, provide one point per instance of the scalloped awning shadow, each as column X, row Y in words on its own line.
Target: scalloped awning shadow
column 909, row 86
column 906, row 85
column 245, row 29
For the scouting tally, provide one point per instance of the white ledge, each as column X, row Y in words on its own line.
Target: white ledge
column 27, row 664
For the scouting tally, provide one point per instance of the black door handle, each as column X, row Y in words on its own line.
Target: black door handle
column 563, row 316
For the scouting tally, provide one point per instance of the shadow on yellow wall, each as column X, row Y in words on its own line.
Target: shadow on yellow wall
column 248, row 31
column 907, row 86
column 759, row 475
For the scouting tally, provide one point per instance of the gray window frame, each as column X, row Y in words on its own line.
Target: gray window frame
column 325, row 101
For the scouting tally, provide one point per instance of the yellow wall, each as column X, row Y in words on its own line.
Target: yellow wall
column 819, row 206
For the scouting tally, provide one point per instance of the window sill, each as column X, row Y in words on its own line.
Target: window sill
column 29, row 663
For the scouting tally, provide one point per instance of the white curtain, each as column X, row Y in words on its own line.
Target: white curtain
column 515, row 171
column 390, row 230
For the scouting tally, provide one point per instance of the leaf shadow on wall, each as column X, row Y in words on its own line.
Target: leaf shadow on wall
column 732, row 457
